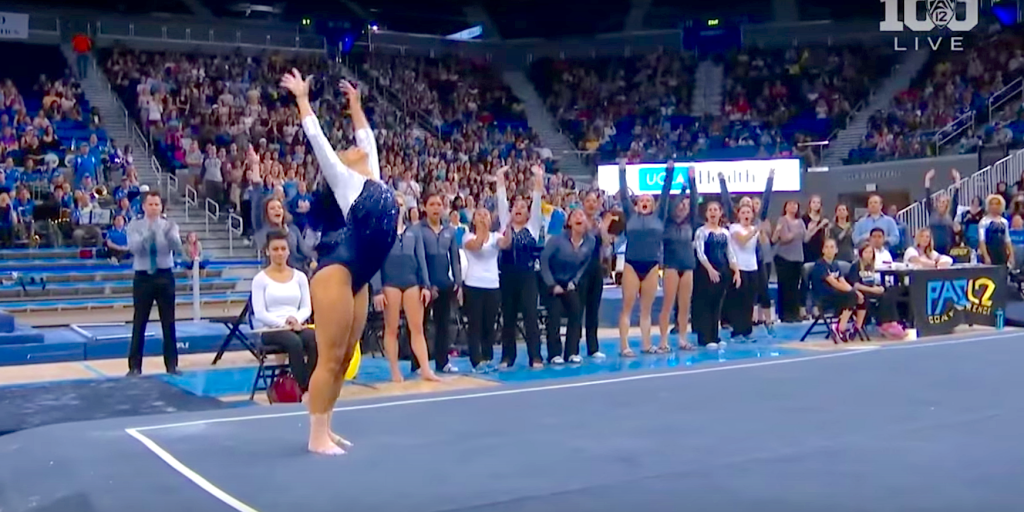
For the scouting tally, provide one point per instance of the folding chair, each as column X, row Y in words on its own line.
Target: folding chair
column 823, row 316
column 265, row 373
column 234, row 325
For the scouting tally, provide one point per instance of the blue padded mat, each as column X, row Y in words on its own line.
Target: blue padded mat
column 889, row 429
column 66, row 402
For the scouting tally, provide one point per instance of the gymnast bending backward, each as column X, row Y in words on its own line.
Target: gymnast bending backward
column 350, row 255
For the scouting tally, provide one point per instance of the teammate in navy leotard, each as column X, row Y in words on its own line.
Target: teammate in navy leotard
column 350, row 253
column 645, row 232
column 404, row 285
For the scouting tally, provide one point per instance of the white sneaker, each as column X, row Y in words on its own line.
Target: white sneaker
column 575, row 359
column 449, row 368
column 557, row 360
column 712, row 346
column 598, row 355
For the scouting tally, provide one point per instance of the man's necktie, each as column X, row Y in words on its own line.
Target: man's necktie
column 152, row 253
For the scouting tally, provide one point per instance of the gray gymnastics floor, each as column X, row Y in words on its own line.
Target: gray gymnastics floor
column 917, row 427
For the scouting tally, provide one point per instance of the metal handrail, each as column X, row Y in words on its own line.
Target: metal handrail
column 191, row 199
column 1004, row 95
column 233, row 231
column 941, row 140
column 212, row 211
column 172, row 185
column 979, row 184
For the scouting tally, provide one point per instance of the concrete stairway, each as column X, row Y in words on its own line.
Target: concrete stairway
column 120, row 128
column 881, row 98
column 708, row 89
column 547, row 129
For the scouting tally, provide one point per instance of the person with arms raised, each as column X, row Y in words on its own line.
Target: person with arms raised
column 678, row 262
column 518, row 268
column 355, row 242
column 645, row 233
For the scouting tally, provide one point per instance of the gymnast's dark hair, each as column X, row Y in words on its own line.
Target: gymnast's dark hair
column 273, row 235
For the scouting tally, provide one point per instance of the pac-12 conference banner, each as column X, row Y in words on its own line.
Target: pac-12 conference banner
column 13, row 25
column 742, row 176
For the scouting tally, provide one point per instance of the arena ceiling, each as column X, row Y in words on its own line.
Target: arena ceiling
column 512, row 19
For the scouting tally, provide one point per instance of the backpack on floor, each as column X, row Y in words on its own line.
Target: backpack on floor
column 284, row 390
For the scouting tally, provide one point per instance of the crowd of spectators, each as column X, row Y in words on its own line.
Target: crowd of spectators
column 202, row 113
column 55, row 159
column 638, row 107
column 952, row 85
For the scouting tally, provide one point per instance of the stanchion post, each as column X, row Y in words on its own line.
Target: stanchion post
column 195, row 290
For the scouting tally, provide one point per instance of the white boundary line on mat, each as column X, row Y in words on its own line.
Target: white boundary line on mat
column 239, row 506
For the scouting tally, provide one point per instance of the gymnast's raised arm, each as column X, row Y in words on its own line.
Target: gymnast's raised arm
column 364, row 134
column 337, row 174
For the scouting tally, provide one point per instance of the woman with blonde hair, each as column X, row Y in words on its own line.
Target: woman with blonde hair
column 942, row 213
column 645, row 232
column 923, row 253
column 994, row 244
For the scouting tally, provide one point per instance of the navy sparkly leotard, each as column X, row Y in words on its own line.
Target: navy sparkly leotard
column 362, row 243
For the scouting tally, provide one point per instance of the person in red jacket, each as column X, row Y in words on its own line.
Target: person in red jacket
column 82, row 44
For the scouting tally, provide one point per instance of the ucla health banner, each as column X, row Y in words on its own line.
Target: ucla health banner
column 742, row 176
column 13, row 25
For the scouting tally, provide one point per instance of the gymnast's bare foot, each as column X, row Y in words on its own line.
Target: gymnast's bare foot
column 323, row 447
column 429, row 376
column 340, row 442
column 321, row 439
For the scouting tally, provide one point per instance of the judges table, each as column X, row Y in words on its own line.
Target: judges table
column 942, row 299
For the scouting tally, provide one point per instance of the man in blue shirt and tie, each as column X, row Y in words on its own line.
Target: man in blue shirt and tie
column 153, row 240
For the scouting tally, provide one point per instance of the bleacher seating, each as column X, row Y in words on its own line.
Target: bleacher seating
column 34, row 281
column 639, row 106
column 950, row 85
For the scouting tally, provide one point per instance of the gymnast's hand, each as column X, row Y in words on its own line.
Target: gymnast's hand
column 294, row 82
column 379, row 301
column 354, row 100
column 425, row 296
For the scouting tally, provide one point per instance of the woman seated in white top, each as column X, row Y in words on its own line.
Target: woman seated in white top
column 923, row 253
column 480, row 281
column 281, row 307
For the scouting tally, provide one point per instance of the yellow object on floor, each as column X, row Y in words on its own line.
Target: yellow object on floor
column 353, row 367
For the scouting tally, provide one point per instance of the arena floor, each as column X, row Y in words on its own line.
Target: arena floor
column 913, row 426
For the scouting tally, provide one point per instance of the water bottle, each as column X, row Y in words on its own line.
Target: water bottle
column 1000, row 319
